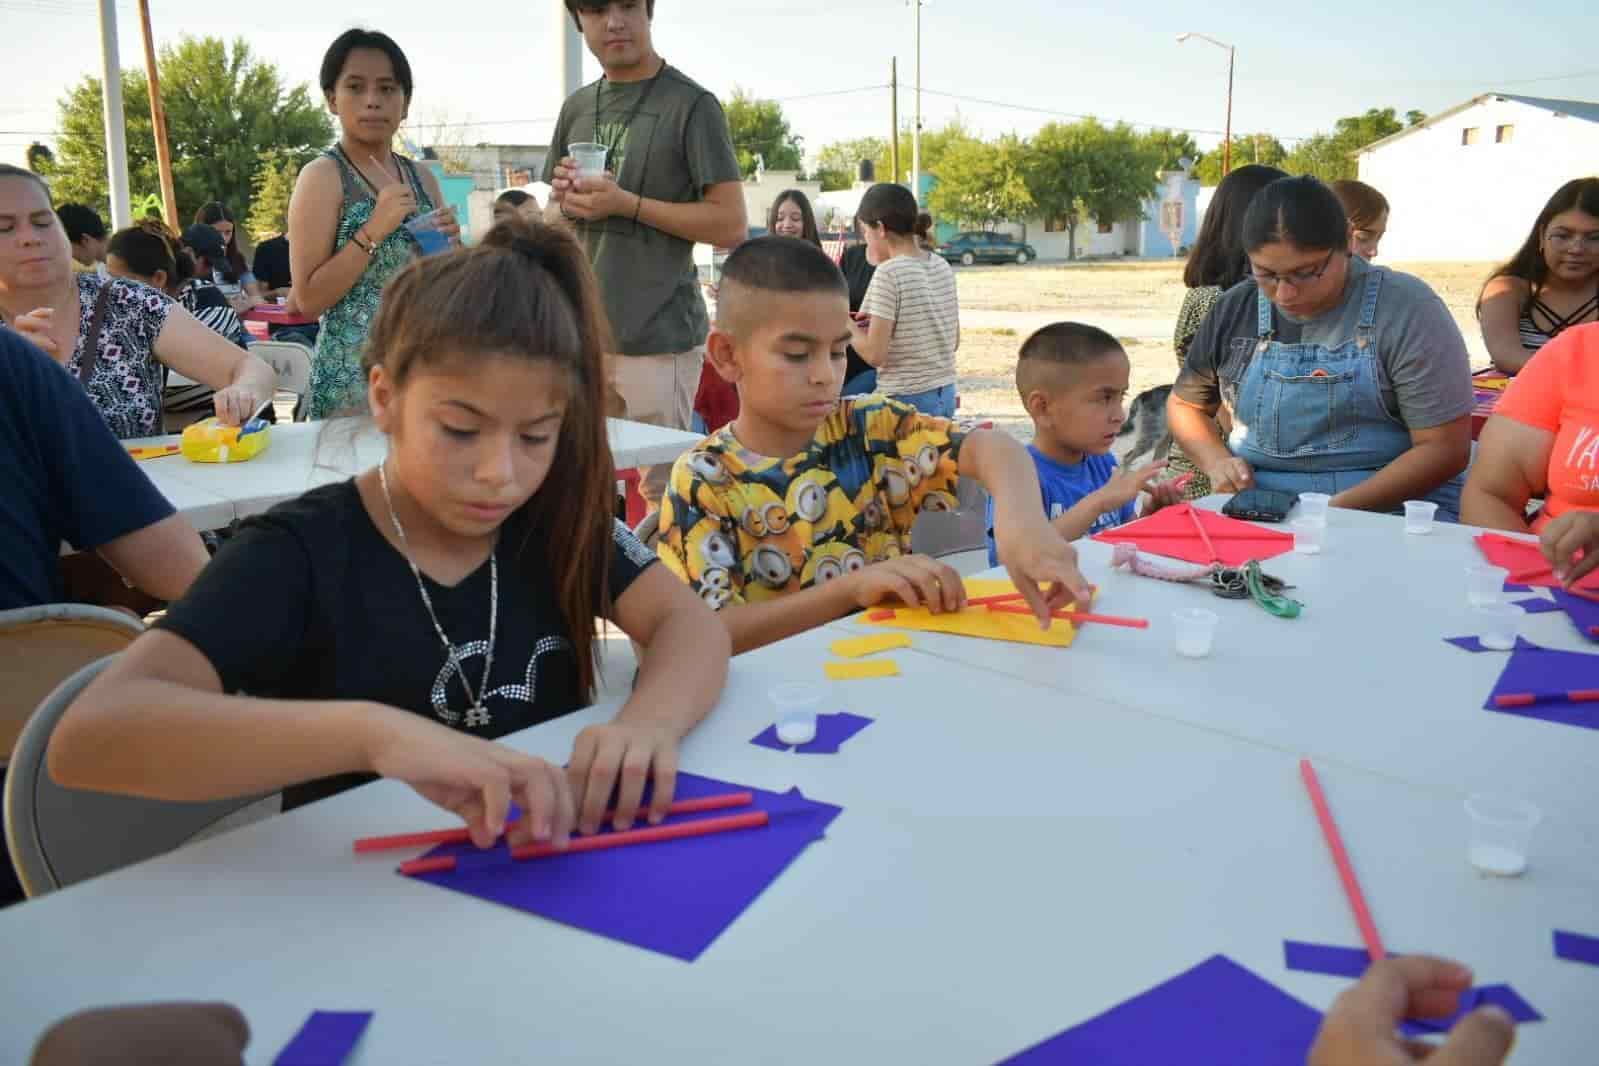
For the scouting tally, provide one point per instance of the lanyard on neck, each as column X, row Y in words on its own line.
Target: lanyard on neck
column 638, row 104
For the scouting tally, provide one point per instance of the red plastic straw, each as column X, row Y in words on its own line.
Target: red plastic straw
column 881, row 616
column 1522, row 576
column 1074, row 616
column 1528, row 699
column 983, row 601
column 1182, row 482
column 655, row 833
column 1193, row 516
column 1175, row 534
column 1346, row 871
column 1582, row 594
column 461, row 836
column 428, row 866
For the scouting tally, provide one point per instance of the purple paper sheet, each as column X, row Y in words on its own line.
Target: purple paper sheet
column 1574, row 947
column 1545, row 670
column 674, row 897
column 832, row 730
column 1325, row 958
column 1498, row 995
column 1217, row 1012
column 326, row 1039
column 1472, row 644
column 1584, row 614
column 1539, row 605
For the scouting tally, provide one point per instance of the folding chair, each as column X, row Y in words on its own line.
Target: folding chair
column 60, row 836
column 292, row 362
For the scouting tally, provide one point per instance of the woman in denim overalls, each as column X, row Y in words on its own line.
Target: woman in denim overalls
column 1312, row 417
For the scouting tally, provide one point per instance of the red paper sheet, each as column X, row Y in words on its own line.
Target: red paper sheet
column 1520, row 556
column 1170, row 532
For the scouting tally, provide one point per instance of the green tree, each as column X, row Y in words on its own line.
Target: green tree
column 223, row 108
column 982, row 184
column 1087, row 170
column 838, row 163
column 1332, row 156
column 1260, row 148
column 274, row 184
column 1172, row 146
column 759, row 128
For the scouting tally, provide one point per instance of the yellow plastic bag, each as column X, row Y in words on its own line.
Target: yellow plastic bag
column 208, row 442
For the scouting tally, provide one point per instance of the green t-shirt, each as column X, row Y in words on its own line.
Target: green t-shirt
column 668, row 140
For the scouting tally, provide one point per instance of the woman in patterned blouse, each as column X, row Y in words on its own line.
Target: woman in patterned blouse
column 349, row 213
column 135, row 329
column 1215, row 264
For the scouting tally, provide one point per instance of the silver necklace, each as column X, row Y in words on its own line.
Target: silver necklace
column 478, row 714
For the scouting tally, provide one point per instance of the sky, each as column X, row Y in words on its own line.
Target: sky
column 1003, row 68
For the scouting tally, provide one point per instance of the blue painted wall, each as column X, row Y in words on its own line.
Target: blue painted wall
column 1155, row 241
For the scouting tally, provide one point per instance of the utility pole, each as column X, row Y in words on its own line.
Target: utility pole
column 116, row 127
column 158, row 123
column 893, row 117
column 916, row 130
column 1227, row 152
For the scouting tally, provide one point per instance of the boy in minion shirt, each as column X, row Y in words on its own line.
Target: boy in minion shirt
column 800, row 510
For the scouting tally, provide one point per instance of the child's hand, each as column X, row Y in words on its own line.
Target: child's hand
column 1038, row 557
column 1361, row 1029
column 1125, row 486
column 621, row 757
column 476, row 779
column 1164, row 494
column 914, row 580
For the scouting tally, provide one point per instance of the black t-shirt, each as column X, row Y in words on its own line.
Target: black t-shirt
column 63, row 476
column 309, row 601
column 272, row 263
column 858, row 273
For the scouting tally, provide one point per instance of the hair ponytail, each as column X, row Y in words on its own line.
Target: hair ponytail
column 924, row 225
column 525, row 291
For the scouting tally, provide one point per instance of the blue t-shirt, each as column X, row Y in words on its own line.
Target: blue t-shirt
column 1065, row 485
column 63, row 476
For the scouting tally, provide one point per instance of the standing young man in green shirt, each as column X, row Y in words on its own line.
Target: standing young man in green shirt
column 672, row 180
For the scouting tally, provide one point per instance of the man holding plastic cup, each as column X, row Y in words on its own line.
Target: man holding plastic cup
column 649, row 172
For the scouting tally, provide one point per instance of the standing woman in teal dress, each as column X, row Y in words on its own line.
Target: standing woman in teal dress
column 348, row 214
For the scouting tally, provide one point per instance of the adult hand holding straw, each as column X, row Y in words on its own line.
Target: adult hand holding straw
column 1362, row 1028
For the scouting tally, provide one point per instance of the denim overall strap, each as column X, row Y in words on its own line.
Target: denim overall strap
column 1365, row 329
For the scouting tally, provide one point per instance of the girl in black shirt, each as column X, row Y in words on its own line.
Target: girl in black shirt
column 395, row 623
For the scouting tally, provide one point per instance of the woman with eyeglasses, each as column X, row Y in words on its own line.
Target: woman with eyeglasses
column 1551, row 284
column 1340, row 376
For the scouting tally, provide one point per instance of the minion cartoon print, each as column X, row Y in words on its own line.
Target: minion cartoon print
column 741, row 527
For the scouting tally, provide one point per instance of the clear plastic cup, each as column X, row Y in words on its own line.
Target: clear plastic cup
column 1419, row 515
column 797, row 704
column 425, row 228
column 1498, row 625
column 1309, row 534
column 589, row 157
column 1314, row 504
column 1501, row 833
column 1194, row 630
column 1485, row 584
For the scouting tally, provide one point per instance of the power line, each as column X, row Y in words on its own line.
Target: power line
column 1075, row 115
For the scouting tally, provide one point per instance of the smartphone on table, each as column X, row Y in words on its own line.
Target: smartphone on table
column 1260, row 505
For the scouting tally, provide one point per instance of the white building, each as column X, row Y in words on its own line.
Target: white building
column 1170, row 221
column 1468, row 183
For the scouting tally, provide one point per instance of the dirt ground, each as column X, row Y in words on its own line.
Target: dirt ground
column 1137, row 301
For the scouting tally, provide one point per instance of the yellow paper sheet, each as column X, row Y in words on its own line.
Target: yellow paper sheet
column 1491, row 384
column 979, row 621
column 857, row 647
column 861, row 671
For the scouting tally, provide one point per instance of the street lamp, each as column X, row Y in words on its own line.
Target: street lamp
column 1232, row 53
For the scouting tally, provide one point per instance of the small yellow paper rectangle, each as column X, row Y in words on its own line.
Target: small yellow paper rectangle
column 857, row 647
column 859, row 671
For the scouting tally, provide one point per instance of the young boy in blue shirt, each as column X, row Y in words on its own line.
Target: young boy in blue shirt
column 800, row 510
column 1073, row 382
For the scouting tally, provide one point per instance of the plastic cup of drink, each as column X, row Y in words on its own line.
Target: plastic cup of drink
column 1485, row 584
column 425, row 228
column 1418, row 517
column 589, row 157
column 1194, row 630
column 1501, row 833
column 1309, row 534
column 1314, row 504
column 1498, row 625
column 796, row 704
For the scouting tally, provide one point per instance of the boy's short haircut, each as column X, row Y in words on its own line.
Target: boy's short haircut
column 514, row 197
column 772, row 265
column 80, row 221
column 1060, row 346
column 574, row 6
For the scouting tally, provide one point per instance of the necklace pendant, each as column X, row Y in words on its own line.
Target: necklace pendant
column 477, row 715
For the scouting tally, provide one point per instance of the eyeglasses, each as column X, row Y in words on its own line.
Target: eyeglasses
column 1297, row 278
column 1562, row 240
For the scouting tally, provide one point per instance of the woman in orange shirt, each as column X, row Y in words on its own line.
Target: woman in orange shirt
column 1543, row 440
